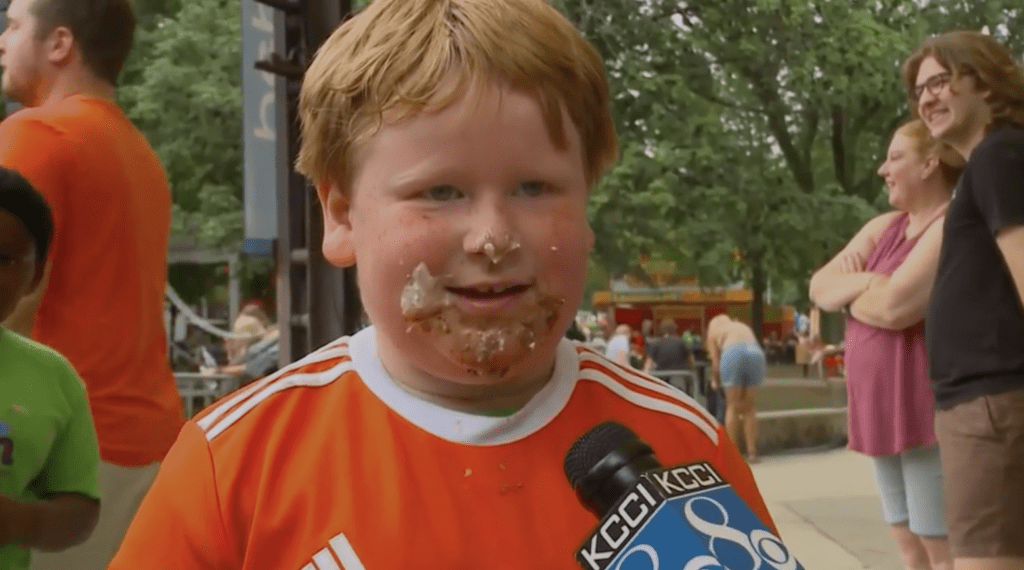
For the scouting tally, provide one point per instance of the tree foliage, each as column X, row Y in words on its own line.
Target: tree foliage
column 182, row 87
column 751, row 129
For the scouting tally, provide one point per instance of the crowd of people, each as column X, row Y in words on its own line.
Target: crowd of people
column 454, row 168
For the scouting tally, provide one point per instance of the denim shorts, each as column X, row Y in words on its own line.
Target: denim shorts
column 742, row 365
column 910, row 486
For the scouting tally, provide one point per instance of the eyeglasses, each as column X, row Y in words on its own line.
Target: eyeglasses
column 934, row 84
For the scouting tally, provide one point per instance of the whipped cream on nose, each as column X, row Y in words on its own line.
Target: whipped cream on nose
column 495, row 247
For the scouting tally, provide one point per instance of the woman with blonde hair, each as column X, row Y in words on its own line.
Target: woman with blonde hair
column 251, row 324
column 883, row 279
column 738, row 365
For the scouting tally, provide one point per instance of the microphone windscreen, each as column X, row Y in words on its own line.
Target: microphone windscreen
column 593, row 446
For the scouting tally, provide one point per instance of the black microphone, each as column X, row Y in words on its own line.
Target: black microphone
column 652, row 517
column 605, row 463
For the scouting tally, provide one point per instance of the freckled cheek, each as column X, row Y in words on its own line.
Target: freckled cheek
column 564, row 253
column 410, row 239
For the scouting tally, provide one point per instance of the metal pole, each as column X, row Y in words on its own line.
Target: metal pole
column 317, row 302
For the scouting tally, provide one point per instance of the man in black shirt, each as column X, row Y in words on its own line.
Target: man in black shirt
column 669, row 351
column 970, row 92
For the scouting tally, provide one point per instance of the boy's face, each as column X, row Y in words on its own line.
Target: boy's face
column 469, row 230
column 19, row 272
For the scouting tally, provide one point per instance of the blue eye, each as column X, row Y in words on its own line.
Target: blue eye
column 532, row 188
column 443, row 193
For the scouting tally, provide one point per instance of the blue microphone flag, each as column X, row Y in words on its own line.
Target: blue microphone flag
column 687, row 518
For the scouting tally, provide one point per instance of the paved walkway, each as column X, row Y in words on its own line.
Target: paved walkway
column 826, row 508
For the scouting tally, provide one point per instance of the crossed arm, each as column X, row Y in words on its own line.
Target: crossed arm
column 900, row 301
column 840, row 281
column 895, row 302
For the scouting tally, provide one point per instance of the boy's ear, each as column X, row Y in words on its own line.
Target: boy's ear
column 338, row 247
column 40, row 276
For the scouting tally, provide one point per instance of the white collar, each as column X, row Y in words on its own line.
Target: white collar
column 461, row 427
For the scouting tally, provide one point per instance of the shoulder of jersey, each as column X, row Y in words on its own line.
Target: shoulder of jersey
column 37, row 118
column 645, row 391
column 318, row 369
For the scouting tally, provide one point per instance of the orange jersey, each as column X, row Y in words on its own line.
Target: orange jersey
column 103, row 306
column 328, row 464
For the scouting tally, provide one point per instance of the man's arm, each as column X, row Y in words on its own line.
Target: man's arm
column 840, row 281
column 900, row 301
column 231, row 369
column 49, row 525
column 1011, row 244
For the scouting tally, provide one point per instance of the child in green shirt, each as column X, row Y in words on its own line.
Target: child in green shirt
column 49, row 492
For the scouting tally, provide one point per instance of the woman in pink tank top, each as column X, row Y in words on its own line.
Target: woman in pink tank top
column 883, row 279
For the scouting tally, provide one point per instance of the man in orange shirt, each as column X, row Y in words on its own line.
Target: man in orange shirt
column 453, row 146
column 102, row 304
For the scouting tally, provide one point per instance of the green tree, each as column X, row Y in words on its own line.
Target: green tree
column 752, row 128
column 183, row 90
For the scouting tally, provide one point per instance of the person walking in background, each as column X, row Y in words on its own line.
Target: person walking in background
column 669, row 352
column 102, row 303
column 969, row 90
column 737, row 365
column 885, row 276
column 619, row 349
column 49, row 493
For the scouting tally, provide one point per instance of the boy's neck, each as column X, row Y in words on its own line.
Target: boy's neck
column 501, row 399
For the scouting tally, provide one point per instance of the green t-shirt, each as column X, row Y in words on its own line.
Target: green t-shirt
column 47, row 439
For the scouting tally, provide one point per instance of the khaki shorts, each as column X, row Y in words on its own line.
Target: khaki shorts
column 123, row 489
column 982, row 445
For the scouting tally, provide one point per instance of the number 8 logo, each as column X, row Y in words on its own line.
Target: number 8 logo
column 761, row 545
